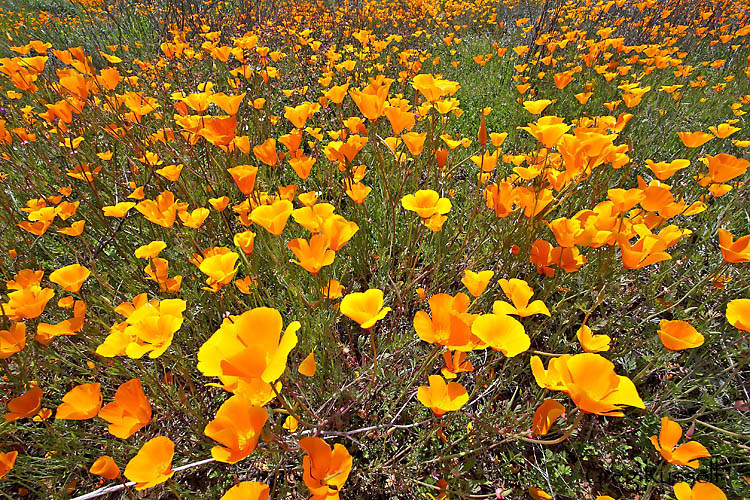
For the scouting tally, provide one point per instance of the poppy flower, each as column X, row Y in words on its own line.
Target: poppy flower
column 247, row 490
column 455, row 364
column 237, row 426
column 220, row 268
column 245, row 240
column 449, row 324
column 308, row 366
column 7, row 461
column 312, row 255
column 366, row 308
column 273, row 217
column 129, row 412
column 80, row 403
column 12, row 340
column 152, row 464
column 477, row 283
column 338, row 231
column 266, row 152
column 539, row 494
column 151, row 250
column 725, row 167
column 502, row 333
column 426, row 203
column 700, row 491
column 27, row 303
column 119, row 210
column 333, row 290
column 590, row 381
column 70, row 278
column 312, row 218
column 325, row 470
column 734, row 251
column 441, row 397
column 548, row 130
column 664, row 170
column 544, row 416
column 519, row 292
column 105, row 467
column 244, row 176
column 738, row 314
column 536, row 107
column 24, row 406
column 590, row 342
column 694, row 139
column 678, row 335
column 161, row 211
column 686, row 454
column 248, row 353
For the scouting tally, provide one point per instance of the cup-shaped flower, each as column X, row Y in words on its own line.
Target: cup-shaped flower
column 105, row 467
column 338, row 231
column 266, row 152
column 502, row 333
column 455, row 364
column 244, row 176
column 273, row 217
column 24, row 406
column 738, row 315
column 7, row 461
column 476, row 283
column 71, row 277
column 248, row 353
column 700, row 491
column 678, row 335
column 312, row 255
column 12, row 340
column 237, row 426
column 152, row 464
column 426, row 203
column 247, row 490
column 548, row 130
column 734, row 251
column 220, row 268
column 366, row 308
column 27, row 303
column 686, row 454
column 80, row 403
column 129, row 412
column 544, row 416
column 450, row 324
column 325, row 470
column 590, row 381
column 590, row 342
column 441, row 397
column 519, row 292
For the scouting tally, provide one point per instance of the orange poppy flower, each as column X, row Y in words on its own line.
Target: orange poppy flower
column 338, row 231
column 686, row 454
column 544, row 416
column 71, row 277
column 237, row 426
column 450, row 324
column 308, row 366
column 325, row 470
column 152, row 464
column 725, row 167
column 27, row 303
column 105, row 467
column 700, row 491
column 477, row 283
column 590, row 381
column 7, row 461
column 266, row 152
column 664, row 170
column 312, row 255
column 694, row 139
column 333, row 290
column 312, row 218
column 119, row 210
column 366, row 308
column 548, row 130
column 455, row 364
column 248, row 353
column 679, row 335
column 502, row 333
column 441, row 397
column 734, row 251
column 244, row 176
column 738, row 314
column 590, row 342
column 162, row 211
column 129, row 412
column 519, row 292
column 12, row 340
column 247, row 490
column 426, row 203
column 24, row 406
column 536, row 107
column 80, row 403
column 273, row 217
column 371, row 99
column 220, row 269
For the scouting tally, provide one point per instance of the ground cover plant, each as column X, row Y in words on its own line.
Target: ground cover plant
column 375, row 249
